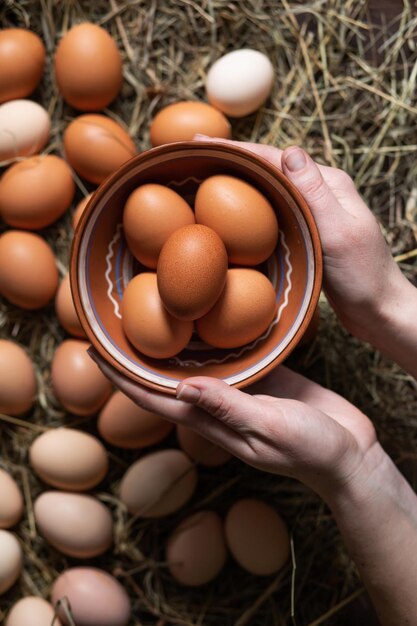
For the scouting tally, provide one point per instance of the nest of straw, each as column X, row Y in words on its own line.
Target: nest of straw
column 345, row 91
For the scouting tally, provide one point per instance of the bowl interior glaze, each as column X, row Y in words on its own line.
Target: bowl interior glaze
column 101, row 265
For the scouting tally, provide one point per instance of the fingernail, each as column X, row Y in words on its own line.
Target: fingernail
column 295, row 160
column 188, row 394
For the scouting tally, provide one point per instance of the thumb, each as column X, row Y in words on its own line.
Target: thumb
column 234, row 408
column 300, row 168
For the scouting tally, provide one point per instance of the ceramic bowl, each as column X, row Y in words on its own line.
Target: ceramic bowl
column 102, row 266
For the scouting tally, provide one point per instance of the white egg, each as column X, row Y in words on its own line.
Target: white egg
column 239, row 82
column 24, row 128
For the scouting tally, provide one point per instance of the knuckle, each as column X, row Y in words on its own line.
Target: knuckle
column 342, row 178
column 219, row 407
column 314, row 187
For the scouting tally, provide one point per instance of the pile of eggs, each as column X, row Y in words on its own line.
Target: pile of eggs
column 67, row 465
column 193, row 286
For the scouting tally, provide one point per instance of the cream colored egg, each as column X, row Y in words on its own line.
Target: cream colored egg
column 24, row 128
column 11, row 501
column 69, row 459
column 96, row 598
column 196, row 550
column 124, row 424
column 75, row 524
column 158, row 484
column 257, row 537
column 239, row 82
column 11, row 560
column 31, row 611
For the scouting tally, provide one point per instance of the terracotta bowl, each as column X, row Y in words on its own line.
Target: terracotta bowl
column 102, row 266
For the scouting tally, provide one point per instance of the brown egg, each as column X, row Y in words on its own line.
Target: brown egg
column 158, row 484
column 18, row 386
column 257, row 537
column 146, row 322
column 96, row 146
column 124, row 424
column 31, row 611
column 151, row 214
column 36, row 192
column 243, row 312
column 65, row 309
column 22, row 58
column 95, row 598
column 182, row 120
column 191, row 271
column 201, row 449
column 79, row 210
column 75, row 524
column 241, row 216
column 78, row 383
column 28, row 272
column 11, row 560
column 88, row 67
column 196, row 550
column 69, row 459
column 11, row 501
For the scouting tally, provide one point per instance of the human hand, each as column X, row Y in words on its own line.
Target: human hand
column 361, row 279
column 307, row 432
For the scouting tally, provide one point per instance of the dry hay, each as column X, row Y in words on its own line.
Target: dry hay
column 345, row 91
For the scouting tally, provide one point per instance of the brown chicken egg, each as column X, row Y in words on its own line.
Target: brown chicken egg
column 151, row 214
column 243, row 312
column 96, row 146
column 124, row 424
column 241, row 216
column 79, row 210
column 78, row 383
column 11, row 501
column 28, row 272
column 182, row 120
column 75, row 524
column 88, row 67
column 18, row 384
column 257, row 537
column 65, row 309
column 11, row 560
column 196, row 550
column 31, row 611
column 36, row 192
column 95, row 598
column 191, row 271
column 146, row 322
column 69, row 459
column 22, row 58
column 201, row 449
column 158, row 484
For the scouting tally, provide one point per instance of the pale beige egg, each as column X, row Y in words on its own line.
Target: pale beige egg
column 11, row 500
column 76, row 524
column 158, row 484
column 69, row 459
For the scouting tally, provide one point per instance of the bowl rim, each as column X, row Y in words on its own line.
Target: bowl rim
column 228, row 148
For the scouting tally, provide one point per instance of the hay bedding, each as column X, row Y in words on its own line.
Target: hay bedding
column 346, row 92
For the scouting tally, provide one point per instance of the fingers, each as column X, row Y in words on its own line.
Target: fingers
column 174, row 410
column 232, row 407
column 269, row 153
column 304, row 173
